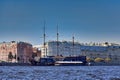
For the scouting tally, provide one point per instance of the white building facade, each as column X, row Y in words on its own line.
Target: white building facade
column 67, row 48
column 63, row 48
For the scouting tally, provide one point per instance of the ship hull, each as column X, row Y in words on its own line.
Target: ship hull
column 72, row 61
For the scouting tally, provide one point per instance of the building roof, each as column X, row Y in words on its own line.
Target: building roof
column 14, row 42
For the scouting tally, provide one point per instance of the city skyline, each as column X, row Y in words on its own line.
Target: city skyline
column 87, row 20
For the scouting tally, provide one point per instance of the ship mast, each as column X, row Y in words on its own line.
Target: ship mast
column 44, row 36
column 57, row 41
column 73, row 43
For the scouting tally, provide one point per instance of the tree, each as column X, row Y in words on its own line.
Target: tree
column 99, row 59
column 15, row 56
column 18, row 59
column 34, row 55
column 107, row 59
column 88, row 59
column 10, row 56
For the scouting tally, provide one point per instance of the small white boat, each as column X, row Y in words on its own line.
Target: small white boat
column 72, row 61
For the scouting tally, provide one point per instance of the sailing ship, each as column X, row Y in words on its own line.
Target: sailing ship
column 43, row 61
column 70, row 60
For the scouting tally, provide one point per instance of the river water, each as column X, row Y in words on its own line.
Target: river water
column 59, row 72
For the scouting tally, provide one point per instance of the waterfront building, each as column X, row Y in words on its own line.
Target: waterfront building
column 114, row 53
column 15, row 52
column 111, row 51
column 64, row 48
column 39, row 49
column 36, row 51
column 93, row 51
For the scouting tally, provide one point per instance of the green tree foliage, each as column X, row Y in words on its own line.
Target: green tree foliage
column 99, row 59
column 107, row 59
column 34, row 55
column 88, row 59
column 10, row 56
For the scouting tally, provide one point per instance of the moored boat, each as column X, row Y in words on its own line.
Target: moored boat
column 72, row 61
column 43, row 62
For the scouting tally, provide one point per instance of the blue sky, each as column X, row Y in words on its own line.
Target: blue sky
column 88, row 20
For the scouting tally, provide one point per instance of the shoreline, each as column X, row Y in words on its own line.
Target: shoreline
column 28, row 64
